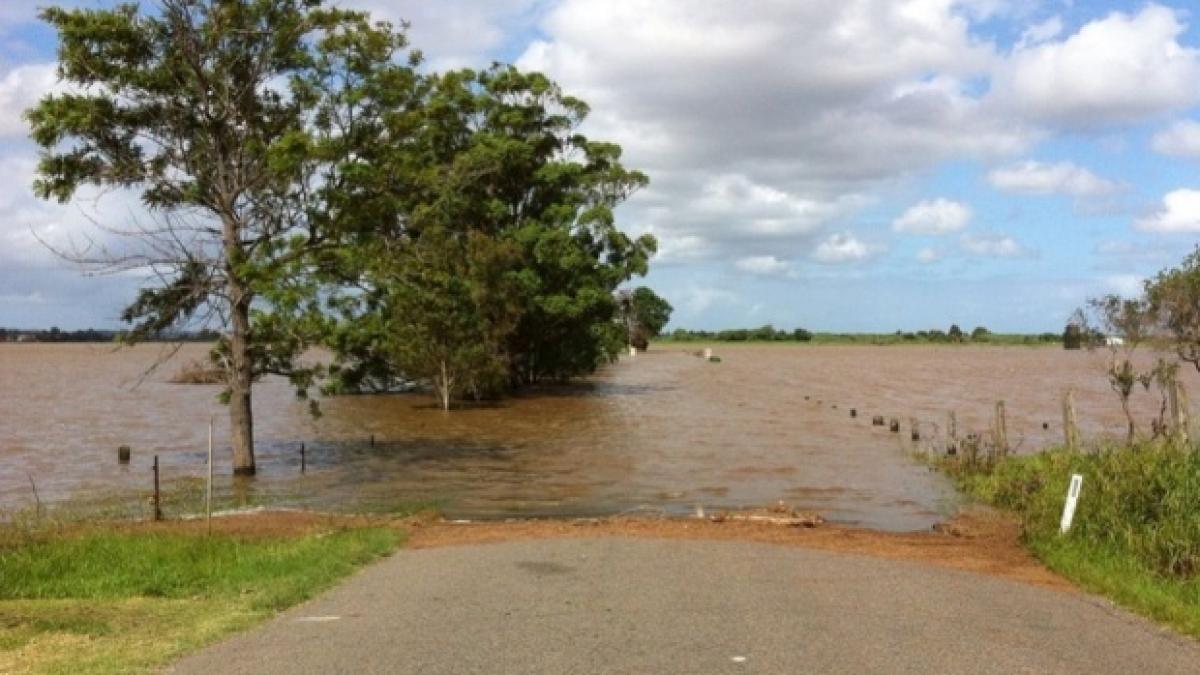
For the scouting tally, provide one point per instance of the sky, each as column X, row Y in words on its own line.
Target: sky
column 861, row 165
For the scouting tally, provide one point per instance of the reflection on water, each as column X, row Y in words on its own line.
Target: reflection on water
column 664, row 431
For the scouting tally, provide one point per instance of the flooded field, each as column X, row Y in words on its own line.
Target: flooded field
column 664, row 431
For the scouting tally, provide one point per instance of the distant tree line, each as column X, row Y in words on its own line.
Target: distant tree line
column 55, row 334
column 767, row 333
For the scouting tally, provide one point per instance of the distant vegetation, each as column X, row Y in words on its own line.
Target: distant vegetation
column 97, row 335
column 954, row 335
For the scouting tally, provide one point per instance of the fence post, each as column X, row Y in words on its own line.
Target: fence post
column 1070, row 430
column 1001, row 431
column 951, row 433
column 208, row 491
column 1179, row 413
column 157, row 494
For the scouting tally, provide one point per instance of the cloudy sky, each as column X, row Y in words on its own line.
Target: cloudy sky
column 852, row 165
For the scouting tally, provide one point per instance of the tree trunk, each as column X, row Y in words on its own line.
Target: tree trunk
column 443, row 386
column 241, row 377
column 241, row 369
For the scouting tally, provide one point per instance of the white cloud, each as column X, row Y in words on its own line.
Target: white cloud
column 928, row 255
column 1181, row 139
column 1036, row 178
column 840, row 248
column 774, row 120
column 20, row 89
column 937, row 216
column 698, row 299
column 1128, row 285
column 1120, row 69
column 765, row 265
column 1041, row 32
column 1180, row 212
column 993, row 246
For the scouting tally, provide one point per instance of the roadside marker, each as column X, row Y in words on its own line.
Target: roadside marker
column 1072, row 499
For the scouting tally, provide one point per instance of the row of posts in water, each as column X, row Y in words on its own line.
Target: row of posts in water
column 997, row 445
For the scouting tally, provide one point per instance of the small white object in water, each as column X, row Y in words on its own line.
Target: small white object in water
column 699, row 511
column 738, row 659
column 318, row 619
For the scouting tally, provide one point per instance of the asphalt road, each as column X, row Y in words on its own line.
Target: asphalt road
column 612, row 605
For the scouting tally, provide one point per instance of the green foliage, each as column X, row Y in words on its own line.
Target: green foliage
column 644, row 314
column 1140, row 501
column 1135, row 536
column 1174, row 298
column 245, row 127
column 495, row 175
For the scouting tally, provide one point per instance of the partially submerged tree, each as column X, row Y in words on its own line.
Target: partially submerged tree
column 243, row 124
column 496, row 165
column 1126, row 323
column 643, row 314
column 1175, row 296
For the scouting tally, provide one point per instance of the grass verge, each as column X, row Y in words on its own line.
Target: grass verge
column 1136, row 534
column 121, row 599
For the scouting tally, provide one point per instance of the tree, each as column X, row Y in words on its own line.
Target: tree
column 955, row 333
column 1174, row 294
column 496, row 161
column 1127, row 322
column 980, row 334
column 243, row 125
column 643, row 314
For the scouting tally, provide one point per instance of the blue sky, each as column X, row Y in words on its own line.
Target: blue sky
column 861, row 165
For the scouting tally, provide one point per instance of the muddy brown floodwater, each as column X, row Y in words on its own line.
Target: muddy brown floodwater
column 663, row 432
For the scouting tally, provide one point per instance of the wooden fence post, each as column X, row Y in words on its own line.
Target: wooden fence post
column 157, row 494
column 1179, row 413
column 1001, row 431
column 1070, row 429
column 951, row 433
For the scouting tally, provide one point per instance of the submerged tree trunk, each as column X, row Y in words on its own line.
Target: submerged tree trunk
column 442, row 385
column 241, row 377
column 241, row 368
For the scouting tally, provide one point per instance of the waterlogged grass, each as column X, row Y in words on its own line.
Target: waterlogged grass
column 120, row 600
column 1136, row 533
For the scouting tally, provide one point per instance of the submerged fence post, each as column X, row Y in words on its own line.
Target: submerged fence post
column 303, row 460
column 157, row 494
column 951, row 433
column 1179, row 413
column 1070, row 430
column 915, row 429
column 1001, row 431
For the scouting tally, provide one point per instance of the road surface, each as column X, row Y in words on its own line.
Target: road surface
column 616, row 605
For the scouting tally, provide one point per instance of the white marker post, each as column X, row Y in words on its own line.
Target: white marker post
column 1072, row 500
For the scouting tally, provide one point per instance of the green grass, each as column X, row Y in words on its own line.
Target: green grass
column 1136, row 533
column 112, row 600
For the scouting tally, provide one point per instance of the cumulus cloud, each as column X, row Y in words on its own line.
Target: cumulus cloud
column 1128, row 285
column 20, row 88
column 753, row 105
column 993, row 246
column 1181, row 139
column 841, row 247
column 765, row 265
column 1179, row 213
column 928, row 255
column 936, row 216
column 1120, row 69
column 1036, row 178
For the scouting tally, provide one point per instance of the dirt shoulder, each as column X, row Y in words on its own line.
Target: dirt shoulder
column 978, row 541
